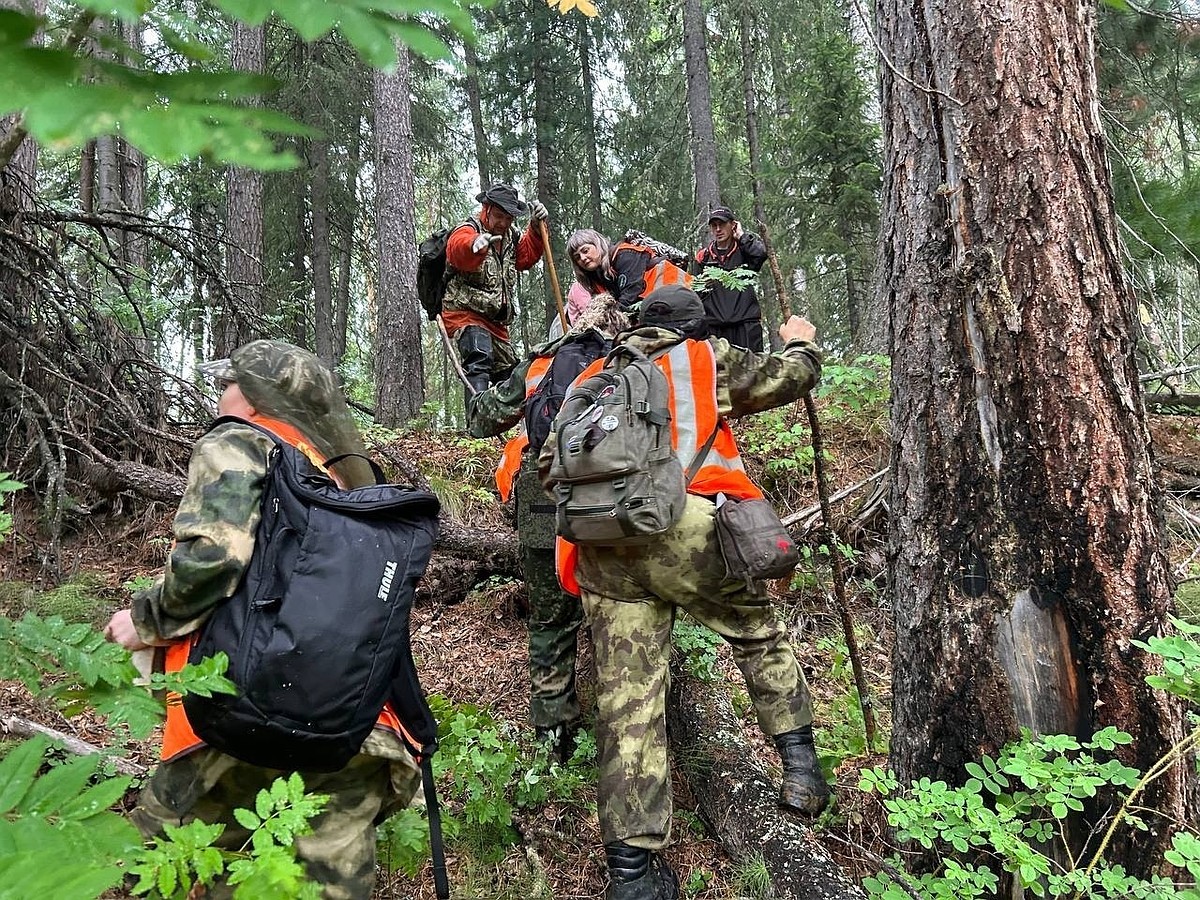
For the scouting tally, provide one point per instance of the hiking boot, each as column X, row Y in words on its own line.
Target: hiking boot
column 558, row 741
column 804, row 787
column 637, row 874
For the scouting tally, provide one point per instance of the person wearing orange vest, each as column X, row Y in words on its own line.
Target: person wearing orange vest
column 627, row 271
column 289, row 392
column 554, row 616
column 631, row 594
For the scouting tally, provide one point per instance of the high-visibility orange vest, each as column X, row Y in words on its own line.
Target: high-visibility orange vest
column 661, row 273
column 691, row 371
column 178, row 736
column 510, row 459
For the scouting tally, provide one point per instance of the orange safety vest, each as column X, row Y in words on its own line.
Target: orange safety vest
column 510, row 459
column 691, row 371
column 661, row 273
column 178, row 736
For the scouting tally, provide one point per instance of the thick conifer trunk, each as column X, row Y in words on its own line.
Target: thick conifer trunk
column 700, row 117
column 399, row 365
column 1025, row 538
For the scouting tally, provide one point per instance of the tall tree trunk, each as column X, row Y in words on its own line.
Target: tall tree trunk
column 595, row 211
column 321, row 252
column 1025, row 535
column 473, row 99
column 399, row 364
column 699, row 105
column 244, row 247
column 87, row 178
column 133, row 169
column 544, row 124
column 341, row 311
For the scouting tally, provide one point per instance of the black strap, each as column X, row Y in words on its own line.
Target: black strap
column 441, row 884
column 694, row 469
column 380, row 477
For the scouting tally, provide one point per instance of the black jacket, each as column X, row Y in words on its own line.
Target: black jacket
column 722, row 305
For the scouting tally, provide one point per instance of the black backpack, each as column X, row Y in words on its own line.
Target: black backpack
column 571, row 358
column 432, row 275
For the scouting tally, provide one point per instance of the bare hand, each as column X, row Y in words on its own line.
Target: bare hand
column 737, row 230
column 798, row 328
column 120, row 630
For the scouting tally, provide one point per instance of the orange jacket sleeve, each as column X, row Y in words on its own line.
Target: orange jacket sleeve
column 458, row 249
column 529, row 249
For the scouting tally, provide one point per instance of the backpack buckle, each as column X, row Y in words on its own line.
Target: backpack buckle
column 642, row 407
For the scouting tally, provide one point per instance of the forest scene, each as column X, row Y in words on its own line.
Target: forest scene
column 988, row 212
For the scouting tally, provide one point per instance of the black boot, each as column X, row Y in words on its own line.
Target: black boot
column 804, row 787
column 637, row 874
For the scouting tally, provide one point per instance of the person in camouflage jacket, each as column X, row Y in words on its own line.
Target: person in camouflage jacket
column 555, row 616
column 631, row 596
column 291, row 393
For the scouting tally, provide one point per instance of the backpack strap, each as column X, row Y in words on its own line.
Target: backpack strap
column 380, row 477
column 694, row 469
column 441, row 884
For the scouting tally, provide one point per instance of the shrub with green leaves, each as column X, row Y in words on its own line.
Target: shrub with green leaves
column 1014, row 807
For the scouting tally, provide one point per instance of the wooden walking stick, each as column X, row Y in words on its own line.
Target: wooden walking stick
column 453, row 354
column 866, row 697
column 562, row 312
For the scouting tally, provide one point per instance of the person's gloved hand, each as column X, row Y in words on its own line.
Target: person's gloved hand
column 482, row 241
column 538, row 211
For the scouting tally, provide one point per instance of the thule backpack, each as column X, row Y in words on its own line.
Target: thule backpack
column 617, row 480
column 317, row 632
column 432, row 274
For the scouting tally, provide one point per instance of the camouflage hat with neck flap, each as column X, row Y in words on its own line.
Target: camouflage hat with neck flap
column 285, row 382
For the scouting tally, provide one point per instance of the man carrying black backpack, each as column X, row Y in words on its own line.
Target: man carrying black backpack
column 632, row 591
column 531, row 396
column 275, row 388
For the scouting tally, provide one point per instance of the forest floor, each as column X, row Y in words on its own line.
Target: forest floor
column 474, row 654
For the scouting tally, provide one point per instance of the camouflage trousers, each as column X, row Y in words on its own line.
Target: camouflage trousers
column 631, row 595
column 554, row 620
column 339, row 853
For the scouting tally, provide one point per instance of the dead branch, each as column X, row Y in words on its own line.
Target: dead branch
column 23, row 727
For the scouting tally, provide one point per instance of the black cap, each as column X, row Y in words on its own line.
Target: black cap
column 671, row 304
column 721, row 214
column 505, row 197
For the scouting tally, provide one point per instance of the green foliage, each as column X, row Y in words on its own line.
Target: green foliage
column 266, row 865
column 484, row 777
column 1014, row 806
column 698, row 644
column 734, row 279
column 785, row 445
column 845, row 735
column 697, row 881
column 68, row 97
column 57, row 835
column 752, row 880
column 7, row 486
column 856, row 389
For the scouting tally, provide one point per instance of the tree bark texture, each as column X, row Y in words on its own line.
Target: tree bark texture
column 545, row 122
column 595, row 212
column 399, row 365
column 737, row 800
column 699, row 105
column 322, row 252
column 1024, row 532
column 244, row 215
column 476, row 104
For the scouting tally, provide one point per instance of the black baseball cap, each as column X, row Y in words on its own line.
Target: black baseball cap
column 721, row 214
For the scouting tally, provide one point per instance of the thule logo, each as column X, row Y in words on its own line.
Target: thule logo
column 385, row 585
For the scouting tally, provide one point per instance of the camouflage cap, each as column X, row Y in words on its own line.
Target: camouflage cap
column 217, row 368
column 289, row 383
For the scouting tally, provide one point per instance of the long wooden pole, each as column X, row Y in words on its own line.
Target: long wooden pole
column 866, row 697
column 558, row 297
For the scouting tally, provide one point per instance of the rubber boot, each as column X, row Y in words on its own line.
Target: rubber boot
column 637, row 874
column 804, row 787
column 475, row 349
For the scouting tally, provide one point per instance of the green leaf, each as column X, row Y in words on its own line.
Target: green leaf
column 17, row 771
column 247, row 819
column 59, row 785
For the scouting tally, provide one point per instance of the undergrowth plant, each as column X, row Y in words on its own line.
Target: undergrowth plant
column 485, row 777
column 1015, row 806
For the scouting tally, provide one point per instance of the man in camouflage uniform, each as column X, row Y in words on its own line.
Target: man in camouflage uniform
column 483, row 257
column 554, row 615
column 291, row 393
column 631, row 596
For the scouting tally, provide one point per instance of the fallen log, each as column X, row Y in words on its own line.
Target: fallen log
column 737, row 800
column 23, row 727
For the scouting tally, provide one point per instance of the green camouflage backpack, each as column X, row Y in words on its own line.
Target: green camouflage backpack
column 616, row 478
